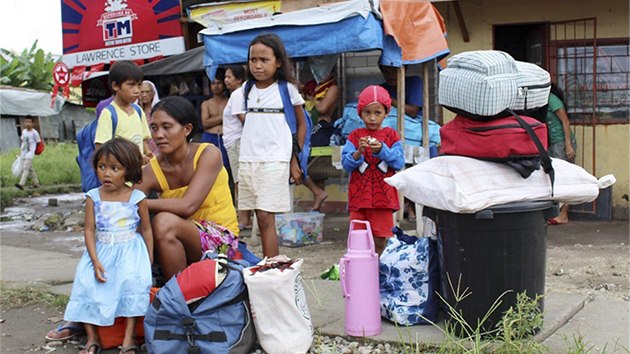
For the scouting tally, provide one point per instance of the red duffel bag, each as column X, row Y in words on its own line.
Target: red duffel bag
column 500, row 139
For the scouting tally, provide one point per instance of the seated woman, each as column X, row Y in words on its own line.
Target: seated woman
column 321, row 95
column 199, row 215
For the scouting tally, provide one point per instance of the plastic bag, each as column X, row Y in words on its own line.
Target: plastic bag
column 16, row 168
column 409, row 279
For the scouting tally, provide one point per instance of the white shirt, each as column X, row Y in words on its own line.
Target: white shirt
column 29, row 143
column 266, row 136
column 232, row 126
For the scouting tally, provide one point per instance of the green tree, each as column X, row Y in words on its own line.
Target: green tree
column 32, row 68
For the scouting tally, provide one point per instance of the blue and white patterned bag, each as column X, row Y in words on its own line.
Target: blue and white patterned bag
column 409, row 279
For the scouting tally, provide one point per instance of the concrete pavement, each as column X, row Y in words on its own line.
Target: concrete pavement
column 602, row 321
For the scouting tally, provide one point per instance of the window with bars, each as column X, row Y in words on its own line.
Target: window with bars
column 609, row 86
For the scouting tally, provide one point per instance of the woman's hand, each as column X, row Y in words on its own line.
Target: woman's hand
column 99, row 271
column 295, row 171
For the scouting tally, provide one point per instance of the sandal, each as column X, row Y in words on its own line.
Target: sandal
column 87, row 348
column 131, row 348
column 74, row 329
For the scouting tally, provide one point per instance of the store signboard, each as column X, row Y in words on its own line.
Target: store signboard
column 105, row 31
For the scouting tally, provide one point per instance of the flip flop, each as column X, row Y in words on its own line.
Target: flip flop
column 244, row 227
column 552, row 222
column 131, row 348
column 75, row 331
column 88, row 347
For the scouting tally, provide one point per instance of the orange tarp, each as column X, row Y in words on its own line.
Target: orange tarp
column 406, row 20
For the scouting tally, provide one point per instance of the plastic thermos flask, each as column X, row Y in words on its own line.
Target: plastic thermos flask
column 358, row 271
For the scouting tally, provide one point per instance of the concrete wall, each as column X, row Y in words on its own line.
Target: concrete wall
column 8, row 134
column 611, row 141
column 71, row 117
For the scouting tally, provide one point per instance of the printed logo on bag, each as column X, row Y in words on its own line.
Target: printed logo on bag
column 300, row 299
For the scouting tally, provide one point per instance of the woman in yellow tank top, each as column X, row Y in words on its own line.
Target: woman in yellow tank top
column 194, row 212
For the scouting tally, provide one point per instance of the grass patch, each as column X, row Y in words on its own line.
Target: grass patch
column 56, row 169
column 23, row 296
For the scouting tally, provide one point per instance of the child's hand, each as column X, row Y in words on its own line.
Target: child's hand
column 99, row 272
column 295, row 171
column 375, row 145
column 363, row 144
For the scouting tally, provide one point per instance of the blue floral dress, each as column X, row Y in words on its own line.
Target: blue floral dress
column 124, row 256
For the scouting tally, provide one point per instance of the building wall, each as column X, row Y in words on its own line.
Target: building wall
column 9, row 138
column 611, row 153
column 71, row 117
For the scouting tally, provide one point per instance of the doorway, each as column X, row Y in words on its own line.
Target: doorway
column 532, row 49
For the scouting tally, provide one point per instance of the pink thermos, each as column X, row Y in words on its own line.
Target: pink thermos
column 358, row 271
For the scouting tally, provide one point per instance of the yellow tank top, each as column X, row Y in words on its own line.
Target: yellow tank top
column 217, row 207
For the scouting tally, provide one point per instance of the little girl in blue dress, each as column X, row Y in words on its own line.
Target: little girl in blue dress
column 113, row 277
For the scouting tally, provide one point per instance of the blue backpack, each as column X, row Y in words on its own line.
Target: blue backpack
column 85, row 142
column 289, row 114
column 218, row 323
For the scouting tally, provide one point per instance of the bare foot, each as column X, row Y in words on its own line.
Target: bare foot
column 558, row 220
column 320, row 198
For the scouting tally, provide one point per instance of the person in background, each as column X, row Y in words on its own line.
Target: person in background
column 562, row 142
column 29, row 139
column 233, row 119
column 268, row 159
column 212, row 114
column 194, row 212
column 413, row 90
column 370, row 155
column 148, row 98
column 113, row 276
column 321, row 95
column 125, row 79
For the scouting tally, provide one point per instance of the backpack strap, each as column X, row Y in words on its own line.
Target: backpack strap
column 112, row 110
column 287, row 106
column 210, row 337
column 544, row 156
column 114, row 115
column 247, row 87
column 138, row 110
column 289, row 110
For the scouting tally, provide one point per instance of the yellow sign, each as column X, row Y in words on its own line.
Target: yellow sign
column 212, row 15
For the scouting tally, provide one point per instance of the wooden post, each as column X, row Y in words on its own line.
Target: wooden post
column 400, row 93
column 425, row 135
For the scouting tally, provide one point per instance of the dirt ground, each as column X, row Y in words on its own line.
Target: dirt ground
column 582, row 257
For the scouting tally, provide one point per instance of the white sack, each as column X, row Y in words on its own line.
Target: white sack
column 466, row 185
column 279, row 308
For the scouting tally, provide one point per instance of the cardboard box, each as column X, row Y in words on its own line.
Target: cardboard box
column 299, row 229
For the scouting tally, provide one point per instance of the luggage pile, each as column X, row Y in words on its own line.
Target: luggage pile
column 494, row 96
column 219, row 305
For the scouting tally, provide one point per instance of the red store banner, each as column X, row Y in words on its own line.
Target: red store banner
column 96, row 32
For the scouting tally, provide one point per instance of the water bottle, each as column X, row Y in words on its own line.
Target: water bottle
column 358, row 270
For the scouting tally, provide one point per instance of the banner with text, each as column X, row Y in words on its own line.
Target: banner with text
column 210, row 15
column 111, row 30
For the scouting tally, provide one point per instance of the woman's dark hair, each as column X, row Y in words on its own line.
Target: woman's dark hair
column 125, row 152
column 238, row 71
column 285, row 71
column 124, row 70
column 556, row 90
column 179, row 109
column 220, row 76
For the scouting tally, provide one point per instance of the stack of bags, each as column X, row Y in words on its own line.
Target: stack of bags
column 494, row 148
